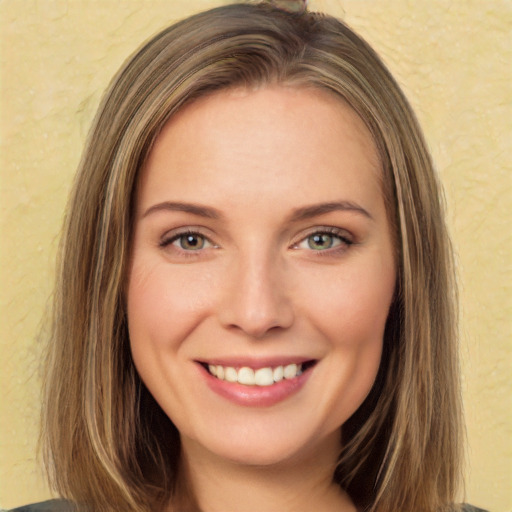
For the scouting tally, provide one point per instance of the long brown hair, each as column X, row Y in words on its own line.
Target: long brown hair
column 107, row 444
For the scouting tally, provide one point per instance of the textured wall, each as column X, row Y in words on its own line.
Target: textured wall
column 453, row 59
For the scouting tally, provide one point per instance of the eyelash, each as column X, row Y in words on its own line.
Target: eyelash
column 339, row 234
column 167, row 241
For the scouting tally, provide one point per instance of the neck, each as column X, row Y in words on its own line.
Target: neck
column 303, row 483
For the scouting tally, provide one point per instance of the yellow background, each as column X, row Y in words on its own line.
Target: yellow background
column 453, row 58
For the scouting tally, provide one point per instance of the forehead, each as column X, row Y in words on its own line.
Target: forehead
column 266, row 139
column 313, row 110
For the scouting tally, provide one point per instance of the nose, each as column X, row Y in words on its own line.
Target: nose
column 256, row 298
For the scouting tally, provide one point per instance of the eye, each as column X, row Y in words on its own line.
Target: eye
column 189, row 241
column 321, row 241
column 325, row 239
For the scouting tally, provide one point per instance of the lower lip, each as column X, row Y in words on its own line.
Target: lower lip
column 255, row 396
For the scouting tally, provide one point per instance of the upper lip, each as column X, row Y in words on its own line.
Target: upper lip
column 255, row 363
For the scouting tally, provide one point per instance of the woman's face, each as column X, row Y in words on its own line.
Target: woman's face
column 261, row 248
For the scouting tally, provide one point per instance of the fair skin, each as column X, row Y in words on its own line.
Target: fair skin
column 261, row 241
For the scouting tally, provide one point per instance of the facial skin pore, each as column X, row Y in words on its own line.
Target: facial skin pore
column 261, row 239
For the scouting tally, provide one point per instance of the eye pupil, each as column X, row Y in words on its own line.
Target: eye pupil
column 192, row 242
column 320, row 241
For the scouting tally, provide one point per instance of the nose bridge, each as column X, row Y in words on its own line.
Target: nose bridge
column 256, row 298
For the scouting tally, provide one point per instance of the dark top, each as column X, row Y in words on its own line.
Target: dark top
column 66, row 506
column 47, row 506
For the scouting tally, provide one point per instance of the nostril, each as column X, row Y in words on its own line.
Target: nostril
column 258, row 330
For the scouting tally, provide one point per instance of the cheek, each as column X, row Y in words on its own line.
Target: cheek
column 163, row 308
column 352, row 315
column 353, row 308
column 164, row 303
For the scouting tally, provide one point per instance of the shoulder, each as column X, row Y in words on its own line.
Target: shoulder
column 66, row 506
column 47, row 506
column 470, row 508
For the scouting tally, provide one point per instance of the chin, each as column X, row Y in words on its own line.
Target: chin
column 270, row 447
column 267, row 456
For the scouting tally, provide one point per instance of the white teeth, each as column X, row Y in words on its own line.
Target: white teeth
column 230, row 374
column 278, row 373
column 260, row 377
column 264, row 377
column 246, row 376
column 290, row 371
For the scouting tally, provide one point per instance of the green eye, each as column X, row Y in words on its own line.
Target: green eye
column 190, row 242
column 322, row 241
column 325, row 239
column 186, row 243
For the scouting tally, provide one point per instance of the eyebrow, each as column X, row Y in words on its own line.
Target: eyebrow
column 304, row 213
column 200, row 211
column 315, row 210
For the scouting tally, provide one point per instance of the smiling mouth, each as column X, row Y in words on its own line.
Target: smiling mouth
column 267, row 376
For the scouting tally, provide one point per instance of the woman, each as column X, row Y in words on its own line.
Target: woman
column 255, row 306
